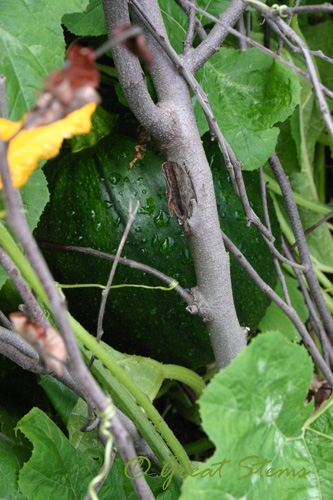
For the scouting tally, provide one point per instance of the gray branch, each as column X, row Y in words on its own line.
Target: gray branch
column 289, row 311
column 297, row 228
column 208, row 47
column 181, row 144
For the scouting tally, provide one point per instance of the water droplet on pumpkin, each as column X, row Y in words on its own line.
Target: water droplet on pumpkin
column 114, row 178
column 98, row 227
column 162, row 219
column 93, row 215
column 155, row 241
column 167, row 245
column 138, row 230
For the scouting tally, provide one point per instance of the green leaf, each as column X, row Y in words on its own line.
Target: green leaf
column 58, row 471
column 276, row 319
column 145, row 372
column 31, row 45
column 35, row 196
column 61, row 397
column 175, row 21
column 213, row 7
column 12, row 457
column 102, row 123
column 86, row 442
column 248, row 99
column 258, row 402
column 91, row 22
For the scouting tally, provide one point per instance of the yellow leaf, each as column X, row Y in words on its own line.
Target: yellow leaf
column 42, row 143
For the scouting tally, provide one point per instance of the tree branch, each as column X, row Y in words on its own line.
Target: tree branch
column 182, row 145
column 208, row 47
column 289, row 311
column 130, row 73
column 297, row 228
column 22, row 288
column 200, row 30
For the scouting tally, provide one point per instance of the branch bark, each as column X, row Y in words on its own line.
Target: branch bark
column 181, row 144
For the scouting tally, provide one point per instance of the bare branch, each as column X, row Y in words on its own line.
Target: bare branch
column 105, row 292
column 241, row 28
column 130, row 73
column 314, row 319
column 312, row 228
column 4, row 321
column 288, row 22
column 268, row 224
column 22, row 288
column 208, row 47
column 184, row 147
column 289, row 311
column 200, row 30
column 188, row 42
column 301, row 243
column 3, row 97
column 126, row 262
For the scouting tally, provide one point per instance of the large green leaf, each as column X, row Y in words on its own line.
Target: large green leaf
column 91, row 22
column 254, row 412
column 12, row 458
column 31, row 45
column 62, row 398
column 249, row 92
column 277, row 319
column 58, row 471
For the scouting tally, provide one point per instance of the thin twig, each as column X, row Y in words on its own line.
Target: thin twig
column 23, row 289
column 3, row 97
column 289, row 311
column 312, row 228
column 126, row 262
column 241, row 28
column 188, row 42
column 200, row 30
column 248, row 26
column 268, row 224
column 292, row 47
column 297, row 228
column 290, row 16
column 5, row 321
column 314, row 319
column 131, row 32
column 106, row 291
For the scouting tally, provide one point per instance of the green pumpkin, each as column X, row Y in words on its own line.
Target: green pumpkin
column 90, row 194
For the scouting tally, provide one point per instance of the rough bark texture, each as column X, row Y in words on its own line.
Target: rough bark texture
column 172, row 124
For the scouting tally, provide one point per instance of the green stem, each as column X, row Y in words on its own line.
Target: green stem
column 188, row 377
column 18, row 258
column 117, row 371
column 302, row 202
column 199, row 446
